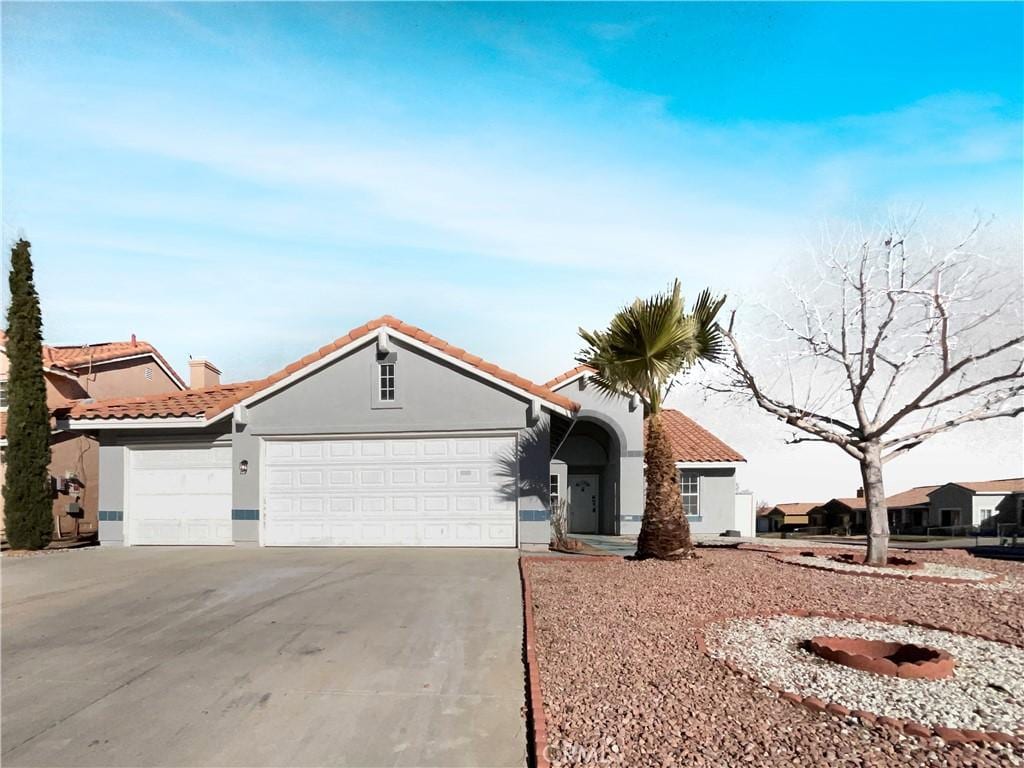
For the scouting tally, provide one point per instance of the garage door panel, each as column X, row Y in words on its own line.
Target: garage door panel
column 179, row 495
column 443, row 491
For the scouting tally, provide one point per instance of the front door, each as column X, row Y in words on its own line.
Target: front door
column 583, row 503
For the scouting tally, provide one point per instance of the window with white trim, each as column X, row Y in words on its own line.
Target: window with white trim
column 553, row 491
column 387, row 382
column 3, row 394
column 689, row 490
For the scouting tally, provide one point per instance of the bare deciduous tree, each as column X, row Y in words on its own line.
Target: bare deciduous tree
column 891, row 342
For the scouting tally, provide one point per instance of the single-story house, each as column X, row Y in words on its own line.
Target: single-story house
column 989, row 505
column 909, row 510
column 956, row 507
column 387, row 436
column 846, row 515
column 71, row 373
column 787, row 517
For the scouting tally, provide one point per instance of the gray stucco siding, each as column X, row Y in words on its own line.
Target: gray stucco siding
column 717, row 504
column 950, row 497
column 622, row 489
column 434, row 395
column 614, row 409
column 112, row 455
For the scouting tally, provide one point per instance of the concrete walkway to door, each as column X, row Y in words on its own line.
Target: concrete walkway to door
column 263, row 657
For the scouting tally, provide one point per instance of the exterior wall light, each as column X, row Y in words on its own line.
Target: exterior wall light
column 243, row 466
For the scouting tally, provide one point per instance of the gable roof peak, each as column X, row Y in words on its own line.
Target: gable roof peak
column 228, row 395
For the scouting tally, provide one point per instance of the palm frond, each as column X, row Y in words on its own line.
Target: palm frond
column 647, row 343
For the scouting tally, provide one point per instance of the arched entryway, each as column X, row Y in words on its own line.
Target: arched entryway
column 586, row 469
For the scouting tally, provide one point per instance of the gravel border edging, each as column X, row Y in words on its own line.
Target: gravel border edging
column 909, row 577
column 949, row 735
column 537, row 745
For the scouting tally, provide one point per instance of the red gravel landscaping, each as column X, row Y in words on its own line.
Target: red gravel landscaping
column 624, row 682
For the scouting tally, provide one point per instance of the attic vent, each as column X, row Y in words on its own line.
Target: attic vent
column 148, row 373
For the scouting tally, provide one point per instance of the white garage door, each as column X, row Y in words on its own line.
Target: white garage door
column 179, row 495
column 431, row 491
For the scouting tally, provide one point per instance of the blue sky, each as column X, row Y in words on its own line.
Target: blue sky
column 245, row 182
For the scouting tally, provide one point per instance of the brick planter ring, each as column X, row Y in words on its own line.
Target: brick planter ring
column 880, row 657
column 982, row 702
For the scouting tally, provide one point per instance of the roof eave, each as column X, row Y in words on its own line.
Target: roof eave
column 140, row 422
column 694, row 464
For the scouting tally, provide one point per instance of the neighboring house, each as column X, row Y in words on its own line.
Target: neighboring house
column 788, row 517
column 387, row 436
column 988, row 505
column 909, row 510
column 73, row 373
column 846, row 515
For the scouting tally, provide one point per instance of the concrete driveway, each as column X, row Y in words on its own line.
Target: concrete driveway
column 260, row 657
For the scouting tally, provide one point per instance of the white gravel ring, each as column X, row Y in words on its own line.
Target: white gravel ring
column 932, row 570
column 985, row 692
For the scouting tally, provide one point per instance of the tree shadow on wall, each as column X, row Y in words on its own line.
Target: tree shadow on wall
column 525, row 471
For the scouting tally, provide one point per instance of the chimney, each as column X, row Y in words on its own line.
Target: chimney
column 202, row 374
column 860, row 493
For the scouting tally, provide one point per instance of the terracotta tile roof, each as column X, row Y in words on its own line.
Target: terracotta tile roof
column 795, row 508
column 853, row 502
column 691, row 442
column 216, row 400
column 1011, row 485
column 551, row 384
column 74, row 357
column 187, row 402
column 913, row 497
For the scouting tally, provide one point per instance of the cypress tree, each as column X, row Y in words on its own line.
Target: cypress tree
column 27, row 495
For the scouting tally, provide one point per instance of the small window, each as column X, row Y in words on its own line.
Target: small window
column 689, row 489
column 148, row 373
column 553, row 491
column 3, row 394
column 387, row 382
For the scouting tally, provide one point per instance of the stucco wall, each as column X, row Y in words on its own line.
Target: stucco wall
column 434, row 397
column 60, row 389
column 950, row 497
column 717, row 501
column 985, row 508
column 623, row 485
column 1010, row 511
column 112, row 445
column 125, row 378
column 77, row 453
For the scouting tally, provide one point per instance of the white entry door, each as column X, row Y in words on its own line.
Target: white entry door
column 583, row 503
column 407, row 491
column 179, row 495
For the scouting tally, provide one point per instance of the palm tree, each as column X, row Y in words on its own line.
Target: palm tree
column 646, row 346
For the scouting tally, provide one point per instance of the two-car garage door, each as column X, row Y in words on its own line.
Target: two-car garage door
column 409, row 491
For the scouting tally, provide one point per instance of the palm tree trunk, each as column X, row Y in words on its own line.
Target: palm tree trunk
column 665, row 532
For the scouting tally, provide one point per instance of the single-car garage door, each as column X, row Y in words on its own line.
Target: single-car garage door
column 179, row 495
column 410, row 491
